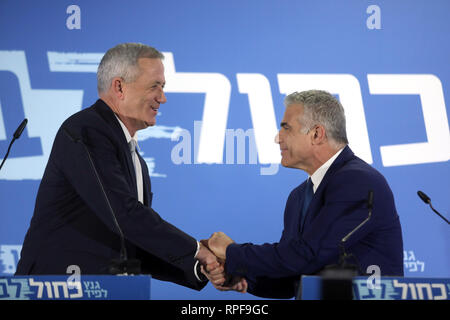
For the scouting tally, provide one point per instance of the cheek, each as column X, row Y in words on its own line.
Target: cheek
column 132, row 102
column 297, row 150
column 144, row 106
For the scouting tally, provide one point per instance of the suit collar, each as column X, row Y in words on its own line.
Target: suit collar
column 110, row 118
column 319, row 174
column 346, row 155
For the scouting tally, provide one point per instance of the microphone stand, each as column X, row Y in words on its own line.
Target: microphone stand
column 337, row 278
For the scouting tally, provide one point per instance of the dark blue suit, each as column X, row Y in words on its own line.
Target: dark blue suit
column 72, row 223
column 338, row 206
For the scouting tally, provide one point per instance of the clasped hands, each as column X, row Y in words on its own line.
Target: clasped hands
column 212, row 256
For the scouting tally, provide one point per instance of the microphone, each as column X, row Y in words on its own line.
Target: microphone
column 16, row 136
column 20, row 129
column 343, row 256
column 369, row 207
column 123, row 265
column 427, row 200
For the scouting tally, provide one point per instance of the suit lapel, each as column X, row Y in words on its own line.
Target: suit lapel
column 301, row 197
column 108, row 115
column 317, row 201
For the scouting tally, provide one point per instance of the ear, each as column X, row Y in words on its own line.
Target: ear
column 117, row 88
column 319, row 135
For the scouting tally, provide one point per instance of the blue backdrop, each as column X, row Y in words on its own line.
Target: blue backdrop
column 229, row 65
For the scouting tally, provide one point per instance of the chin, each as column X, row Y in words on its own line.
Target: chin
column 150, row 123
column 288, row 164
column 284, row 163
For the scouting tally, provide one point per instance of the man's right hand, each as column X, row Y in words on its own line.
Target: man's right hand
column 214, row 269
column 235, row 284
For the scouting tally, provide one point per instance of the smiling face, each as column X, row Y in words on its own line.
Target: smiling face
column 295, row 146
column 141, row 98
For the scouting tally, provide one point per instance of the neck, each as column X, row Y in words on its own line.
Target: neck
column 115, row 108
column 321, row 156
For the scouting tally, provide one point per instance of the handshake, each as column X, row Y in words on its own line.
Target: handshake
column 212, row 257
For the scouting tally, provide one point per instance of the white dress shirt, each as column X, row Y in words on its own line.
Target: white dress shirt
column 318, row 175
column 132, row 143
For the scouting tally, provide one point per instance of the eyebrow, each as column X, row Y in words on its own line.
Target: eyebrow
column 161, row 83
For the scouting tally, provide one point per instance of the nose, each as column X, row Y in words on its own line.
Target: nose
column 162, row 98
column 277, row 138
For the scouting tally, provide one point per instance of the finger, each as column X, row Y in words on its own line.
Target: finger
column 218, row 287
column 216, row 276
column 245, row 286
column 212, row 264
column 202, row 269
column 213, row 235
column 217, row 280
column 215, row 269
column 211, row 243
column 215, row 273
column 204, row 242
column 241, row 286
column 206, row 274
column 219, row 283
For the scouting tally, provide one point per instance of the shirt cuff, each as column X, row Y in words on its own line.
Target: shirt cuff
column 198, row 249
column 197, row 272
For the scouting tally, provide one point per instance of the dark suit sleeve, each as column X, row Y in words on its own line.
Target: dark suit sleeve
column 165, row 271
column 141, row 225
column 344, row 208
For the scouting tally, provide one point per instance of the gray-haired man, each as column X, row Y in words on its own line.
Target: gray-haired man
column 73, row 223
column 322, row 210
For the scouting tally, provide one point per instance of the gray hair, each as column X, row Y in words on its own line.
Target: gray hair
column 122, row 61
column 320, row 107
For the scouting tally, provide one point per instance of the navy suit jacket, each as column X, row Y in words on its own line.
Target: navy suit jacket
column 72, row 223
column 338, row 206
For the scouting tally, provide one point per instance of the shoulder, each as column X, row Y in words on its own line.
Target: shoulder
column 359, row 170
column 96, row 127
column 355, row 179
column 87, row 117
column 96, row 120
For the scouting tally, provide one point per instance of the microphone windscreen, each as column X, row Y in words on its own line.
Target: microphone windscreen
column 20, row 129
column 424, row 197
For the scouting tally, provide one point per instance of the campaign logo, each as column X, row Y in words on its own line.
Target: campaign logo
column 412, row 264
column 213, row 139
column 402, row 289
